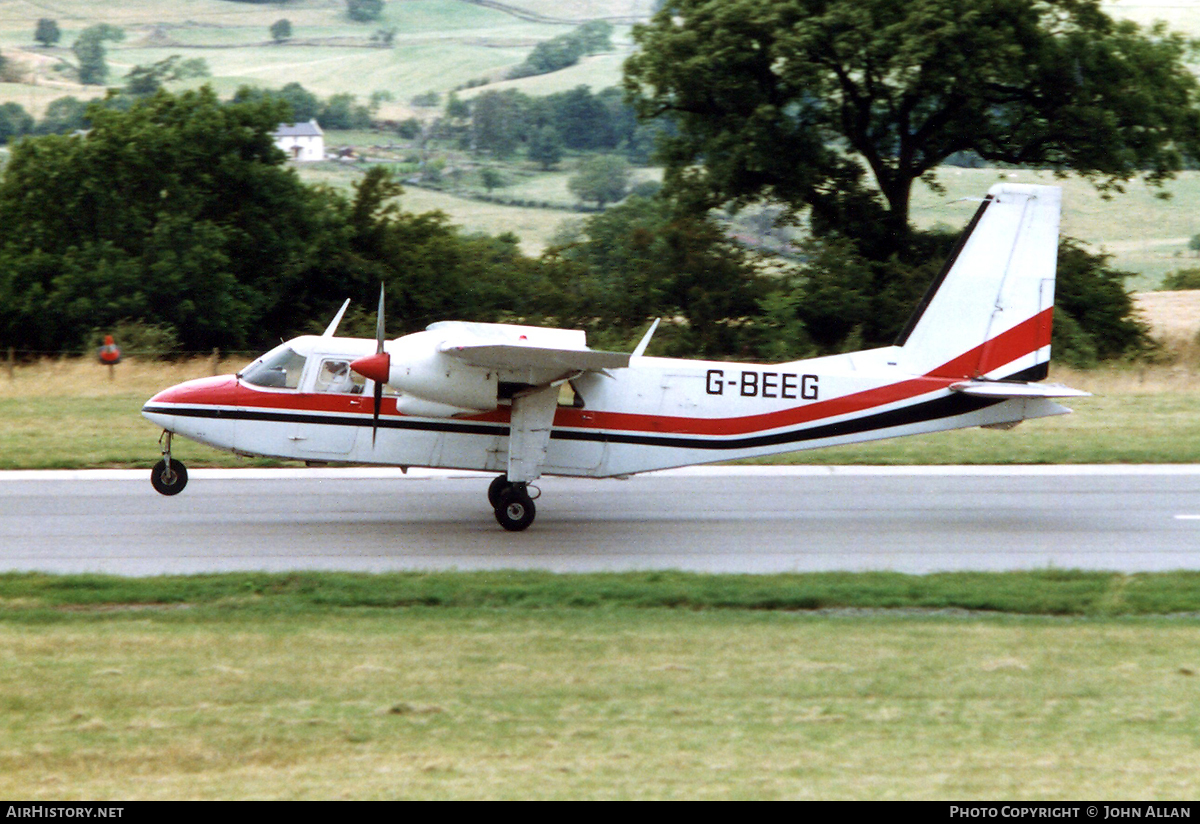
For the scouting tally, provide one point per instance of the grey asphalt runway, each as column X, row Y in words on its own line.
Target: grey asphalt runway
column 739, row 519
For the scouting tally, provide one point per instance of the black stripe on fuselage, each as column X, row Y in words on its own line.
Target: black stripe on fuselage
column 423, row 424
column 936, row 409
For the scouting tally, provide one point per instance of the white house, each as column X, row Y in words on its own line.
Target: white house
column 301, row 141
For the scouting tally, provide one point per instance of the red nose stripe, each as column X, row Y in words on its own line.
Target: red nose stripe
column 374, row 367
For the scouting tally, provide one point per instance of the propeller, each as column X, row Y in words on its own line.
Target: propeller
column 376, row 367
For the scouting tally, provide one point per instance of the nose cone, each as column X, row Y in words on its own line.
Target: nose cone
column 202, row 391
column 216, row 391
column 374, row 367
column 199, row 410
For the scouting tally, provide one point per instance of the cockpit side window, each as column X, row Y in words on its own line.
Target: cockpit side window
column 281, row 368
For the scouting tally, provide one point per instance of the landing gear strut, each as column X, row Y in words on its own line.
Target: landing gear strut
column 168, row 476
column 512, row 503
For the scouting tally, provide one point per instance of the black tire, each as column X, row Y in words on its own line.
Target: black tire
column 168, row 482
column 515, row 510
column 496, row 488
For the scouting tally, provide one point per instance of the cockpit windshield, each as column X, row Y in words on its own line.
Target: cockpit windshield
column 281, row 367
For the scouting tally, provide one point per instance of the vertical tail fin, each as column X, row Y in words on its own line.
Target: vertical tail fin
column 988, row 314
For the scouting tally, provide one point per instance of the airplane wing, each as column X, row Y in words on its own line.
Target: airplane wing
column 1017, row 389
column 522, row 356
column 539, row 358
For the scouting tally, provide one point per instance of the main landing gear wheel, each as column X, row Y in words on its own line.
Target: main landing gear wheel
column 495, row 488
column 514, row 508
column 168, row 476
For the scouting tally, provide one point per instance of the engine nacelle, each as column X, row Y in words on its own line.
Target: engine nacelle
column 420, row 371
column 421, row 408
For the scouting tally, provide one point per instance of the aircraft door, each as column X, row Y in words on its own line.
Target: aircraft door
column 340, row 391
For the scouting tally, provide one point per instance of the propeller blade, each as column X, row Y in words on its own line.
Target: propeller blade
column 375, row 419
column 379, row 324
column 376, row 367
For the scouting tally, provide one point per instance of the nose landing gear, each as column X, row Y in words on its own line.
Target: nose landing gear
column 512, row 503
column 169, row 476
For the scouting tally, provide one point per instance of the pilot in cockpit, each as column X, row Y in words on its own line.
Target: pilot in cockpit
column 336, row 376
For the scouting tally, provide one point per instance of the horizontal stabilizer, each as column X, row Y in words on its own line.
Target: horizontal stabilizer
column 1017, row 389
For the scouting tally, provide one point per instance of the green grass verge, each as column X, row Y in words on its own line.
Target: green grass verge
column 36, row 597
column 526, row 685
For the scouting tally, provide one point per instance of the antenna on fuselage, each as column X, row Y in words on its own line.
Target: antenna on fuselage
column 332, row 327
column 645, row 341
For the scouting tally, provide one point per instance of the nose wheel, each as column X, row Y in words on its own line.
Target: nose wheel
column 169, row 476
column 512, row 504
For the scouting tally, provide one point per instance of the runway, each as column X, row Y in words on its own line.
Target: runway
column 725, row 519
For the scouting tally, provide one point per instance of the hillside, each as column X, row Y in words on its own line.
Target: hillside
column 438, row 45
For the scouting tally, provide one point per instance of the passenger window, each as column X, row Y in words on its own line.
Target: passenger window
column 335, row 375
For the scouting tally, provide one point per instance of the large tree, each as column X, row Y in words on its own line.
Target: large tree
column 793, row 99
column 89, row 50
column 47, row 32
column 604, row 179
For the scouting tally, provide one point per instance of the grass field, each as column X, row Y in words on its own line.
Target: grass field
column 256, row 686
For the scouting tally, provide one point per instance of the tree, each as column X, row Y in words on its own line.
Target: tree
column 409, row 128
column 305, row 105
column 341, row 112
column 1093, row 312
column 603, row 179
column 457, row 109
column 14, row 122
column 498, row 121
column 378, row 98
column 63, row 115
column 385, row 37
column 566, row 49
column 492, row 179
column 302, row 104
column 550, row 56
column 47, row 32
column 595, row 36
column 364, row 11
column 281, row 30
column 144, row 80
column 583, row 120
column 546, row 147
column 792, row 99
column 90, row 52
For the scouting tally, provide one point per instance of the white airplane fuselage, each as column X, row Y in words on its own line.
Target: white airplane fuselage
column 655, row 414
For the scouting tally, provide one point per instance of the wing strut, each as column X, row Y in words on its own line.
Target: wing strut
column 529, row 433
